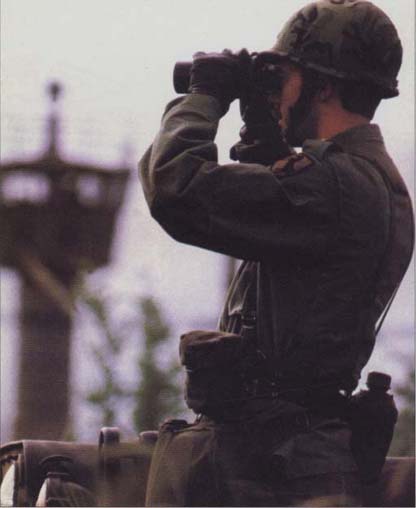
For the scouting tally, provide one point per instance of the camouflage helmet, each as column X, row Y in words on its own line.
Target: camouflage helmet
column 347, row 39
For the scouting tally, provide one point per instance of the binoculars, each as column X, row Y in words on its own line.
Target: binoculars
column 265, row 73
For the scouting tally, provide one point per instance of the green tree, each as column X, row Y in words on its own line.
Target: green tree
column 106, row 396
column 403, row 443
column 158, row 393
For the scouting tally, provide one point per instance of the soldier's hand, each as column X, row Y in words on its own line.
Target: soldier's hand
column 261, row 138
column 222, row 75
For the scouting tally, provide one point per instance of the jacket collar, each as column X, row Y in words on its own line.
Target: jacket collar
column 357, row 137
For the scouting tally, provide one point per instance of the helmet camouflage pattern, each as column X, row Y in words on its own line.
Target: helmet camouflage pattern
column 347, row 39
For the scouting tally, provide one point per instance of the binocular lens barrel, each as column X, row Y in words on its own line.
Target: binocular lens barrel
column 182, row 76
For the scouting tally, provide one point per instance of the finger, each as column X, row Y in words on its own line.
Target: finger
column 243, row 53
column 198, row 54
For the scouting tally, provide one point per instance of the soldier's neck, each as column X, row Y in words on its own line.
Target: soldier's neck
column 333, row 121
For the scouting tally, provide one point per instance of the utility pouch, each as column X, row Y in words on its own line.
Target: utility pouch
column 215, row 366
column 182, row 472
column 226, row 464
column 372, row 416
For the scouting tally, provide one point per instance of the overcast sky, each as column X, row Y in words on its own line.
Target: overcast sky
column 115, row 60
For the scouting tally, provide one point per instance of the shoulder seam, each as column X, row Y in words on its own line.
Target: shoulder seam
column 319, row 149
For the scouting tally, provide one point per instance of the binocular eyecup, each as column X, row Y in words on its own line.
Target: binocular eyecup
column 182, row 76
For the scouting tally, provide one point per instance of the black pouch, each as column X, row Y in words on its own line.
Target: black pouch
column 215, row 365
column 372, row 416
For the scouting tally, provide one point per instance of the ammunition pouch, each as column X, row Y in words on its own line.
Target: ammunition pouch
column 215, row 365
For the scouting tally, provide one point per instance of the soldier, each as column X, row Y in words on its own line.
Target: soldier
column 325, row 236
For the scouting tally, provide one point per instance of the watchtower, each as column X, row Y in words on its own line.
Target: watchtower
column 56, row 217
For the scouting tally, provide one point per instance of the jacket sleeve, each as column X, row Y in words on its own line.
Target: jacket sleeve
column 242, row 210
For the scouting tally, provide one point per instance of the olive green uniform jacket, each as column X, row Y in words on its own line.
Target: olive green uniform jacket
column 326, row 237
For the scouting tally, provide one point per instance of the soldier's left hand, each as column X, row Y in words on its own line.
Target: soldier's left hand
column 222, row 75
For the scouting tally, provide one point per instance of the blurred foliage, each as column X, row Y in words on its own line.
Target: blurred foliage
column 105, row 397
column 403, row 443
column 157, row 393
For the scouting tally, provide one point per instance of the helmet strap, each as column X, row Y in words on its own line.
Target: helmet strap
column 302, row 119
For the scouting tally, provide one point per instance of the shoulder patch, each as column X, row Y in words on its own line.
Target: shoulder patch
column 291, row 165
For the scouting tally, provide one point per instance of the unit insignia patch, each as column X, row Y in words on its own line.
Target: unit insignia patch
column 291, row 165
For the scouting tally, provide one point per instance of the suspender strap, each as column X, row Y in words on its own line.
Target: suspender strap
column 386, row 310
column 389, row 245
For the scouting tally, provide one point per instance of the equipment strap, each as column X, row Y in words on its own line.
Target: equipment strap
column 386, row 310
column 387, row 250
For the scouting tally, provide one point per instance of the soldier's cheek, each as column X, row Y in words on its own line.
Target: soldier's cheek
column 290, row 95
